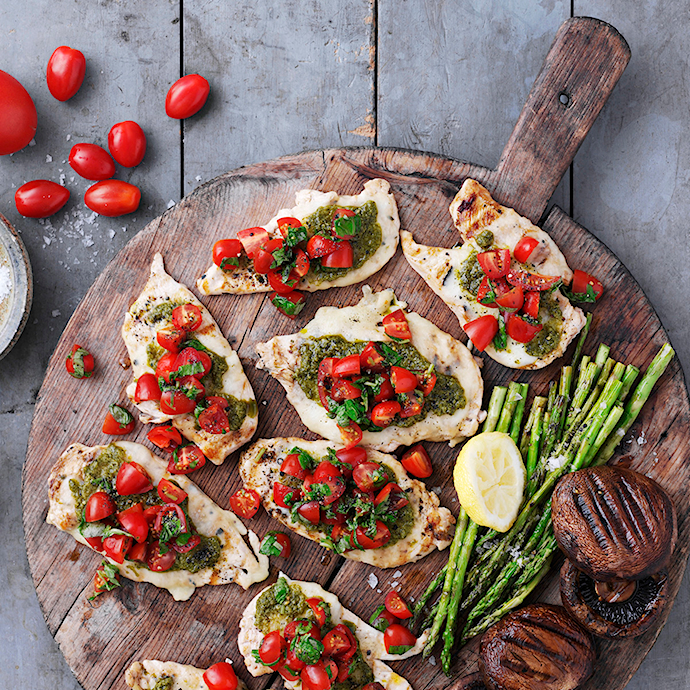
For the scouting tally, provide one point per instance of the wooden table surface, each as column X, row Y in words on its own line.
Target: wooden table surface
column 446, row 77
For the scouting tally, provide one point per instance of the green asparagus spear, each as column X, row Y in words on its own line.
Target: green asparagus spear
column 498, row 395
column 519, row 412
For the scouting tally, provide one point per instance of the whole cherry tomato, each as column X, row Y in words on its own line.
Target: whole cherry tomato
column 112, row 198
column 220, row 676
column 65, row 73
column 40, row 198
column 127, row 143
column 186, row 96
column 17, row 115
column 91, row 162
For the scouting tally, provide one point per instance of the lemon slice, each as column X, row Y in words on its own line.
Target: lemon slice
column 489, row 477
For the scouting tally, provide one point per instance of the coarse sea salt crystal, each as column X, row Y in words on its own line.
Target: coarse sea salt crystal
column 111, row 233
column 171, row 203
column 641, row 439
column 432, row 660
column 49, row 158
column 397, row 574
column 372, row 580
column 556, row 462
column 55, row 313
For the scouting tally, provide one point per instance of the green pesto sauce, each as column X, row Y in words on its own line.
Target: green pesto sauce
column 164, row 683
column 153, row 354
column 364, row 244
column 360, row 674
column 271, row 615
column 402, row 526
column 485, row 239
column 213, row 381
column 203, row 555
column 547, row 339
column 470, row 274
column 104, row 466
column 161, row 312
column 447, row 396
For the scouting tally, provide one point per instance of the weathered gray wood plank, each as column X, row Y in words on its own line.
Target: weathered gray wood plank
column 285, row 77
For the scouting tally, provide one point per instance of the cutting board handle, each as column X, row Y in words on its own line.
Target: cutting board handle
column 585, row 61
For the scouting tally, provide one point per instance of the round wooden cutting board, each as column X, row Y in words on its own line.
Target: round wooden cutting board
column 100, row 639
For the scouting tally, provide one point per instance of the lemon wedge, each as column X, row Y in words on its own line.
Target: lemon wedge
column 489, row 477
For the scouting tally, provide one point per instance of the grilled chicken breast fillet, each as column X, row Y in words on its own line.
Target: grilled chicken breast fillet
column 143, row 675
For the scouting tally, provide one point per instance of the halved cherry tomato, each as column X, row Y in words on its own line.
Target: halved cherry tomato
column 275, row 280
column 343, row 230
column 18, row 121
column 190, row 356
column 518, row 329
column 352, row 456
column 262, row 261
column 169, row 492
column 134, row 522
column 186, row 459
column 426, row 382
column 581, row 280
column 214, row 420
column 95, row 543
column 220, row 676
column 186, row 317
column 117, row 546
column 341, row 257
column 484, row 289
column 272, row 648
column 289, row 304
column 98, row 507
column 524, row 248
column 40, row 198
column 325, row 470
column 65, row 73
column 396, row 605
column 337, row 519
column 531, row 281
column 301, row 626
column 167, row 364
column 118, row 421
column 315, row 677
column 284, row 496
column 292, row 466
column 380, row 538
column 324, row 379
column 171, row 512
column 395, row 325
column 226, row 254
column 342, row 389
column 339, row 532
column 351, row 434
column 398, row 639
column 531, row 305
column 417, row 462
column 287, row 669
column 381, row 619
column 138, row 552
column 371, row 359
column 310, row 511
column 151, row 512
column 386, row 391
column 317, row 606
column 217, row 400
column 175, row 402
column 91, row 162
column 186, row 96
column 394, row 495
column 384, row 412
column 403, row 380
column 511, row 301
column 159, row 562
column 411, row 403
column 344, row 668
column 369, row 476
column 132, row 479
column 319, row 246
column 245, row 503
column 495, row 263
column 285, row 224
column 127, row 143
column 276, row 541
column 171, row 338
column 347, row 366
column 147, row 388
column 301, row 263
column 340, row 643
column 336, row 485
column 79, row 363
column 252, row 240
column 113, row 198
column 481, row 331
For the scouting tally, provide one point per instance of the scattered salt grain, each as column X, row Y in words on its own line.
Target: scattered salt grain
column 397, row 574
column 69, row 136
column 198, row 178
column 49, row 158
column 5, row 281
column 394, row 584
column 55, row 313
column 432, row 660
column 32, row 142
column 372, row 580
column 641, row 439
column 62, row 179
column 111, row 233
column 436, row 490
column 264, row 402
column 47, row 240
column 171, row 203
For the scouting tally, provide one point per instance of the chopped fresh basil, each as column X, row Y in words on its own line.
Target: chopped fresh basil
column 270, row 545
column 107, row 579
column 121, row 416
column 230, row 262
column 587, row 297
column 280, row 590
column 78, row 368
column 305, row 460
column 377, row 620
column 171, row 527
column 318, row 491
column 500, row 341
column 307, row 648
column 392, row 357
column 347, row 226
column 400, row 649
column 295, row 236
column 187, row 370
column 287, row 306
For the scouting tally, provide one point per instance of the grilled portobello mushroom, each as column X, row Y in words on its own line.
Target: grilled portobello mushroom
column 613, row 523
column 539, row 647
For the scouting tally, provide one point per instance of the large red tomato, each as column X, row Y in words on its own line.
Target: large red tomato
column 112, row 198
column 40, row 198
column 186, row 96
column 17, row 115
column 65, row 73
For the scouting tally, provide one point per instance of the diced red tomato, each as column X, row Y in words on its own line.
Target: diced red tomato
column 147, row 388
column 159, row 562
column 325, row 470
column 245, row 503
column 284, row 496
column 175, row 402
column 518, row 329
column 426, row 382
column 132, row 479
column 316, row 604
column 371, row 359
column 511, row 301
column 386, row 391
column 524, row 248
column 191, row 387
column 287, row 670
column 310, row 511
column 341, row 257
column 98, row 507
column 165, row 437
column 396, row 605
column 495, row 263
column 187, row 317
column 339, row 532
column 168, row 512
column 384, row 412
column 403, row 380
column 167, row 364
column 380, row 538
column 342, row 389
column 324, row 379
column 252, row 240
column 292, row 466
column 369, row 476
column 481, row 331
column 118, row 421
column 531, row 305
column 396, row 326
column 117, row 546
column 581, row 280
column 272, row 648
column 319, row 246
column 226, row 254
column 186, row 459
column 134, row 522
column 95, row 543
column 169, row 492
column 303, row 627
column 340, row 643
column 398, row 639
column 352, row 456
column 417, row 462
column 275, row 280
column 301, row 263
column 84, row 363
column 411, row 403
column 351, row 435
column 151, row 513
column 220, row 676
column 191, row 355
column 394, row 495
column 138, row 552
column 289, row 304
column 531, row 281
column 262, row 261
column 484, row 288
column 284, row 224
column 214, row 420
column 381, row 619
column 171, row 338
column 347, row 366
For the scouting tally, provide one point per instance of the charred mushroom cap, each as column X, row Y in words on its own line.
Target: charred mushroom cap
column 539, row 647
column 613, row 523
column 626, row 609
column 473, row 681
